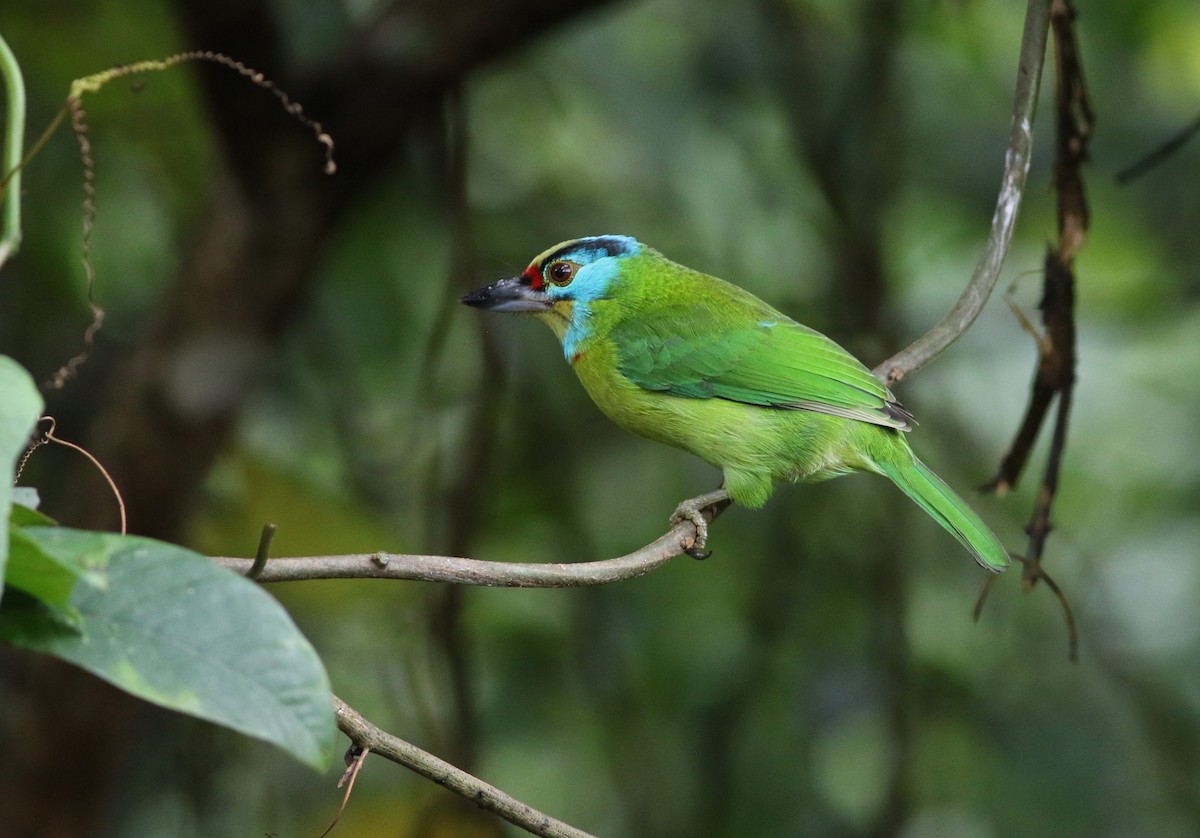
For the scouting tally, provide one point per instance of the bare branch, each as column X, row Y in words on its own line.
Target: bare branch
column 1055, row 374
column 1004, row 220
column 487, row 797
column 475, row 571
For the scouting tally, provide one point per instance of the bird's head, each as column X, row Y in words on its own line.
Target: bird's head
column 576, row 271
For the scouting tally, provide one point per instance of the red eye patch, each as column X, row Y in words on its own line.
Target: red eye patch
column 534, row 277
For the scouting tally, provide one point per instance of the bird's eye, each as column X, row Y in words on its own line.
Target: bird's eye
column 560, row 273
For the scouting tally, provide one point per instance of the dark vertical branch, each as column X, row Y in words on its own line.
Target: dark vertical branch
column 1056, row 347
column 1054, row 379
column 1056, row 376
column 1055, row 372
column 462, row 500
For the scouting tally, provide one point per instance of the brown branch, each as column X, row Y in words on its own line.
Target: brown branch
column 475, row 571
column 461, row 505
column 355, row 757
column 487, row 797
column 1033, row 573
column 1055, row 373
column 1055, row 376
column 48, row 436
column 1004, row 220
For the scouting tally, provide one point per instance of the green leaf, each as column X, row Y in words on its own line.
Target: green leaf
column 179, row 631
column 20, row 406
column 46, row 577
column 25, row 516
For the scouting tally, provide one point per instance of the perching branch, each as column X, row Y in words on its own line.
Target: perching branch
column 475, row 571
column 1004, row 220
column 366, row 735
column 467, row 572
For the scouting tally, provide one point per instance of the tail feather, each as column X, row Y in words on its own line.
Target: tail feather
column 916, row 480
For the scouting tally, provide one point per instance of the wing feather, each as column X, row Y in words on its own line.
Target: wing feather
column 692, row 352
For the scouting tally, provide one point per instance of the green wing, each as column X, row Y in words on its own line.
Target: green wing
column 775, row 362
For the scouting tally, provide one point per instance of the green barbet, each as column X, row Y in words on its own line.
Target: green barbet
column 691, row 360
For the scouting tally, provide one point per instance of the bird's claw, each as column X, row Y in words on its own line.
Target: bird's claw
column 689, row 510
column 693, row 510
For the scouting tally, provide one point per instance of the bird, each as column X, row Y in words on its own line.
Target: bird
column 698, row 363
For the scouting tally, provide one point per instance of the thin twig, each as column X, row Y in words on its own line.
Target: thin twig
column 79, row 126
column 264, row 551
column 1034, row 572
column 475, row 571
column 483, row 795
column 74, row 104
column 985, row 588
column 49, row 436
column 93, row 83
column 355, row 757
column 1004, row 220
column 1159, row 154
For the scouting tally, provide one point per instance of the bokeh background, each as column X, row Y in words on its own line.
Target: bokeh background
column 282, row 345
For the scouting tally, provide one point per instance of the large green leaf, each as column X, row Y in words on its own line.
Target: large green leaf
column 175, row 629
column 20, row 406
column 51, row 576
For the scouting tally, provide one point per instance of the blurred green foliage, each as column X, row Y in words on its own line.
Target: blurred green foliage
column 820, row 674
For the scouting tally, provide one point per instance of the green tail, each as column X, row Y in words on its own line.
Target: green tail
column 916, row 480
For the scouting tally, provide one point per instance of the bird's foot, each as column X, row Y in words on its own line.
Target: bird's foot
column 693, row 510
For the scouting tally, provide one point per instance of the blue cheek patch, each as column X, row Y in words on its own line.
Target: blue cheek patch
column 591, row 283
column 599, row 259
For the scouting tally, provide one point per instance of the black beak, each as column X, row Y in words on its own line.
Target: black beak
column 511, row 295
